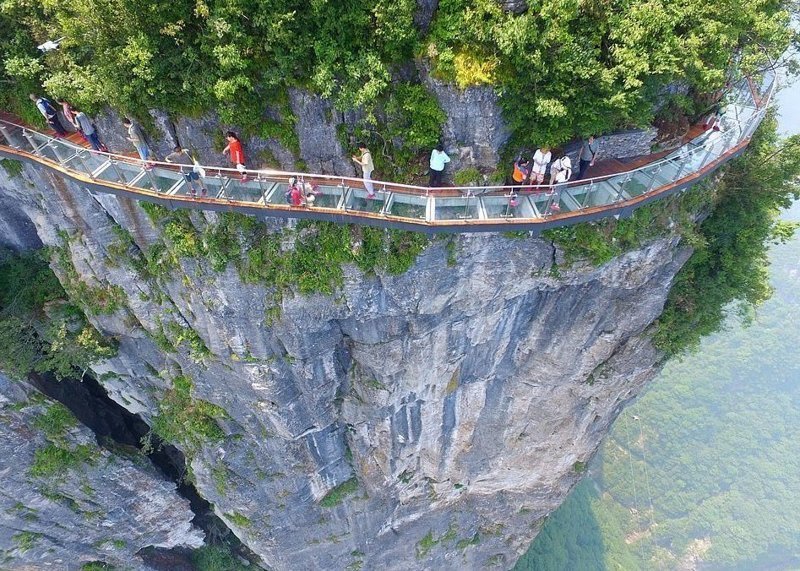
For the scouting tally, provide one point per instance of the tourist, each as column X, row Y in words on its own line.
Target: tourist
column 521, row 170
column 310, row 193
column 588, row 156
column 49, row 113
column 236, row 153
column 85, row 127
column 365, row 162
column 541, row 159
column 136, row 136
column 561, row 170
column 181, row 157
column 68, row 111
column 438, row 160
column 296, row 195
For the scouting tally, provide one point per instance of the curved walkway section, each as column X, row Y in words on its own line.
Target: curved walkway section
column 453, row 209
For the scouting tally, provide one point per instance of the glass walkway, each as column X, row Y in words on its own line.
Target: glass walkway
column 452, row 209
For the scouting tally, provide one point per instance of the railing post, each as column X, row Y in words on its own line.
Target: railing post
column 592, row 188
column 152, row 178
column 466, row 215
column 653, row 178
column 625, row 180
column 119, row 172
column 7, row 136
column 86, row 167
column 31, row 141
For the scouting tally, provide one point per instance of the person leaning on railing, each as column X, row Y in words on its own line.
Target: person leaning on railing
column 181, row 157
column 136, row 136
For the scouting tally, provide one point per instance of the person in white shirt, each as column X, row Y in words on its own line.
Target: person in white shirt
column 438, row 160
column 561, row 170
column 365, row 162
column 540, row 161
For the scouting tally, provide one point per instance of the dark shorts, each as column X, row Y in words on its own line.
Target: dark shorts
column 190, row 176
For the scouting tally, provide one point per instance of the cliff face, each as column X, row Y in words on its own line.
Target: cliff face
column 426, row 420
column 65, row 501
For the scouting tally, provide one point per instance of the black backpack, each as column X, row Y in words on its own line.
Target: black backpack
column 48, row 107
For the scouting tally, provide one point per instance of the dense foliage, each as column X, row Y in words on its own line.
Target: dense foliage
column 562, row 68
column 729, row 264
column 305, row 259
column 39, row 329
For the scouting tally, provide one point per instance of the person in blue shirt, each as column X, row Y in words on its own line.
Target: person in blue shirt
column 438, row 160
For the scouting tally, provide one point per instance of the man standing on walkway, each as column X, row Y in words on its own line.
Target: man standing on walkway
column 49, row 113
column 86, row 128
column 136, row 136
column 438, row 159
column 588, row 155
column 365, row 162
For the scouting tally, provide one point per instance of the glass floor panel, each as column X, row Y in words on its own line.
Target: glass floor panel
column 631, row 185
column 250, row 191
column 328, row 197
column 505, row 207
column 567, row 201
column 456, row 208
column 113, row 172
column 406, row 206
column 356, row 199
column 48, row 153
column 78, row 163
column 158, row 180
column 278, row 194
column 601, row 194
column 214, row 186
column 542, row 201
column 579, row 193
column 668, row 172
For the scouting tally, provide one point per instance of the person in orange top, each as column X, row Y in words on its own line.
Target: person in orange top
column 237, row 153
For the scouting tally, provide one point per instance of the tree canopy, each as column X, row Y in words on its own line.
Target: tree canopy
column 563, row 68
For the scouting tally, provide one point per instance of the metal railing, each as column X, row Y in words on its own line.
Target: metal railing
column 454, row 209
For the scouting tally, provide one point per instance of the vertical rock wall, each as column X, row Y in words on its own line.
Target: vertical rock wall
column 104, row 507
column 424, row 421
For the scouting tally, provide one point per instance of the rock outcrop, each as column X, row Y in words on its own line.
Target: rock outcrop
column 428, row 420
column 65, row 501
column 475, row 130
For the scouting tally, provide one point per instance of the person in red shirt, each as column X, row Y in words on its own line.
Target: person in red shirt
column 296, row 195
column 237, row 153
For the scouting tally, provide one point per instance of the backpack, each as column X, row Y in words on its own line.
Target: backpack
column 519, row 174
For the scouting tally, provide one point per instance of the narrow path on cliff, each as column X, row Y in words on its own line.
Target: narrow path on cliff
column 392, row 205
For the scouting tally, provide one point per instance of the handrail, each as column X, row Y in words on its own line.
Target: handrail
column 554, row 205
